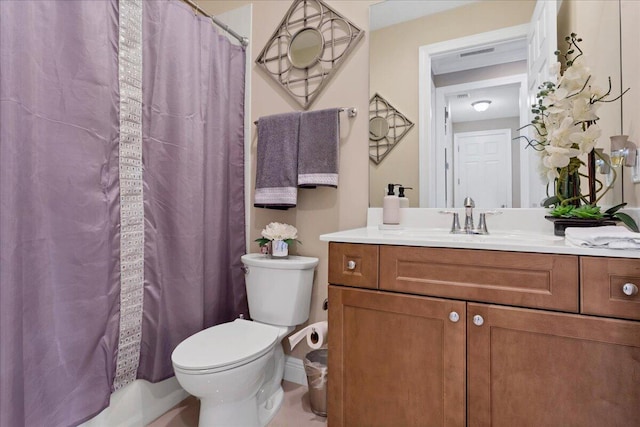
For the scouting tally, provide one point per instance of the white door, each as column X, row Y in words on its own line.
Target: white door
column 543, row 42
column 483, row 168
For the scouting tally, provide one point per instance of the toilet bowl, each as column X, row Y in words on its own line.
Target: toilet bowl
column 236, row 368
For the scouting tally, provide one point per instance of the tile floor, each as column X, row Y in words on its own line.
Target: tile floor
column 295, row 411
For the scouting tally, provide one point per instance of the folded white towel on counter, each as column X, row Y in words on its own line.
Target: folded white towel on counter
column 608, row 237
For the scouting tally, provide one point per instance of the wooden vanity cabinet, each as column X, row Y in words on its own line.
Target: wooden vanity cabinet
column 399, row 359
column 395, row 360
column 539, row 368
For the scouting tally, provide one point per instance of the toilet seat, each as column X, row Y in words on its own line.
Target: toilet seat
column 225, row 346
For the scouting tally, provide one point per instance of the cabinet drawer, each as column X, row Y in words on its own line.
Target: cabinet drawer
column 353, row 265
column 512, row 278
column 602, row 282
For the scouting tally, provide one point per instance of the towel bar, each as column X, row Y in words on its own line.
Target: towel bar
column 351, row 112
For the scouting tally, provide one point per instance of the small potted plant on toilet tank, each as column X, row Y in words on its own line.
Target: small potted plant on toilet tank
column 276, row 239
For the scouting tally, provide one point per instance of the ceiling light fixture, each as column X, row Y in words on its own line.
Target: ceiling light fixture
column 481, row 105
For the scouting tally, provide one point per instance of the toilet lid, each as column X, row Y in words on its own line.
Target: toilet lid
column 232, row 343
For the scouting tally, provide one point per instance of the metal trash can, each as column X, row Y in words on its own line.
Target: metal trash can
column 315, row 366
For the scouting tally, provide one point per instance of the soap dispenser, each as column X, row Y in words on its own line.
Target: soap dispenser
column 391, row 206
column 404, row 200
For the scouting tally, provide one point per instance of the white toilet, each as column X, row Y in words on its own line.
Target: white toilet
column 236, row 368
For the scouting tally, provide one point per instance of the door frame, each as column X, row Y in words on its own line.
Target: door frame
column 444, row 193
column 428, row 154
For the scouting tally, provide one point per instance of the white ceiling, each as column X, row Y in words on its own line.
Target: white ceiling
column 389, row 13
column 480, row 56
column 504, row 103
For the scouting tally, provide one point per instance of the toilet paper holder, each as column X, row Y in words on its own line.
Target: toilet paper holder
column 315, row 335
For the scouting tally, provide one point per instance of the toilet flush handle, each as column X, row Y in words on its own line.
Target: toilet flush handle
column 245, row 269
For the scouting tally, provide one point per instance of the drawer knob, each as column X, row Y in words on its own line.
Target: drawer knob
column 629, row 289
column 454, row 317
column 478, row 320
column 351, row 265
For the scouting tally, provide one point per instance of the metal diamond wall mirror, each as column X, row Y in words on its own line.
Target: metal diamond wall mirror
column 387, row 126
column 307, row 48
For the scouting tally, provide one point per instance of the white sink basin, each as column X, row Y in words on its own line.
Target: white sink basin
column 442, row 235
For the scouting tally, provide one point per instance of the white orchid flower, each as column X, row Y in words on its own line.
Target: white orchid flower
column 577, row 71
column 555, row 97
column 558, row 157
column 547, row 174
column 559, row 137
column 583, row 110
column 587, row 139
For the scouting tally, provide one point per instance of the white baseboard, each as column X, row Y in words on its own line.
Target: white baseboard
column 294, row 371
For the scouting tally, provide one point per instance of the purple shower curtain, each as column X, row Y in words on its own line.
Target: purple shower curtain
column 59, row 198
column 193, row 139
column 58, row 213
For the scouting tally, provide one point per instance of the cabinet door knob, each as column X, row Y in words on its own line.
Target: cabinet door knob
column 454, row 317
column 629, row 289
column 351, row 265
column 478, row 320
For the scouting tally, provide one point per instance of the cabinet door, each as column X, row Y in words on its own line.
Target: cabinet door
column 536, row 368
column 395, row 360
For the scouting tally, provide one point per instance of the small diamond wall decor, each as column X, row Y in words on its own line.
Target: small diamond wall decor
column 387, row 126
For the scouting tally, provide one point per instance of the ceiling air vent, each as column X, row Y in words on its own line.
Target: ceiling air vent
column 463, row 96
column 477, row 52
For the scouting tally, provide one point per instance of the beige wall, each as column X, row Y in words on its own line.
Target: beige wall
column 320, row 210
column 326, row 210
column 394, row 74
column 597, row 22
column 631, row 79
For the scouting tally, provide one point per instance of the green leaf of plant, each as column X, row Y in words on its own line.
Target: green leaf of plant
column 615, row 209
column 553, row 200
column 587, row 211
column 627, row 220
column 262, row 241
column 562, row 211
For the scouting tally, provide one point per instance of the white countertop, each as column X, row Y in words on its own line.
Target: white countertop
column 523, row 231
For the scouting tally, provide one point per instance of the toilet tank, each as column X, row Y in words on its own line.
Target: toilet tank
column 279, row 290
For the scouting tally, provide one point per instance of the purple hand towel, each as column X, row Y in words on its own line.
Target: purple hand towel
column 318, row 148
column 277, row 161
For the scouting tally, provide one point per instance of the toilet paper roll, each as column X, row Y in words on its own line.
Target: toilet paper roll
column 315, row 334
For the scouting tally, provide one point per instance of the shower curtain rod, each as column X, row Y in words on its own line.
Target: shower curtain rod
column 243, row 40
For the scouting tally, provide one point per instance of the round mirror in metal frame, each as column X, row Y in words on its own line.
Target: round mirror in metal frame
column 378, row 128
column 305, row 48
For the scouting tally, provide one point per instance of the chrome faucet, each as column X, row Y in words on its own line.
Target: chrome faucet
column 469, row 227
column 469, row 204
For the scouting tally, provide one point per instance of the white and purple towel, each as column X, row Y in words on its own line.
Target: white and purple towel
column 277, row 161
column 318, row 148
